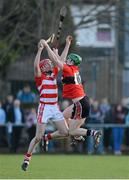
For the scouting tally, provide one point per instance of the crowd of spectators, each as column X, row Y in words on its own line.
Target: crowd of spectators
column 18, row 120
column 15, row 117
column 113, row 137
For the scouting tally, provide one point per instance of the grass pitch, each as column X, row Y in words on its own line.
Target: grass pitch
column 65, row 167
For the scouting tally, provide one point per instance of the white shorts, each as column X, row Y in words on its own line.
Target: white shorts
column 49, row 112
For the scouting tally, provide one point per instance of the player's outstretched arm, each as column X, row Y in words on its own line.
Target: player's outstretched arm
column 37, row 70
column 66, row 49
column 53, row 57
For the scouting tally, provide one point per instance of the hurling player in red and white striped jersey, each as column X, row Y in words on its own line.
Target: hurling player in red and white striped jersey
column 73, row 89
column 45, row 78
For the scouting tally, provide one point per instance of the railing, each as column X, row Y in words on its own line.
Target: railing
column 107, row 125
column 96, row 125
column 61, row 147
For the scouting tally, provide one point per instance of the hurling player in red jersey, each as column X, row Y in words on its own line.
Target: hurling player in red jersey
column 45, row 78
column 73, row 89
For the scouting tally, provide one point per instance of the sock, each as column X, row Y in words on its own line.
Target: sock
column 91, row 132
column 27, row 157
column 48, row 137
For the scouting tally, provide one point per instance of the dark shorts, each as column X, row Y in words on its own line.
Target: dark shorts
column 81, row 108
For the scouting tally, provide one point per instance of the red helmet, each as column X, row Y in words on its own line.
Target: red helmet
column 45, row 65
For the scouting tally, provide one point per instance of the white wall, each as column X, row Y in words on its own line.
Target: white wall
column 87, row 36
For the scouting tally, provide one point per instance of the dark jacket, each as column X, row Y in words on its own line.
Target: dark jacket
column 11, row 115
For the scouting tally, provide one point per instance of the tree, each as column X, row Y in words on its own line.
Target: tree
column 24, row 23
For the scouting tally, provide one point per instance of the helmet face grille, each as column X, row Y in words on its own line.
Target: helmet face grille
column 45, row 65
column 75, row 58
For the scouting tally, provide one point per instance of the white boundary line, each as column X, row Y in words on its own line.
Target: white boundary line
column 67, row 179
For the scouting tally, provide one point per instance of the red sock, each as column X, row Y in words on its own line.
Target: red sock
column 48, row 136
column 28, row 156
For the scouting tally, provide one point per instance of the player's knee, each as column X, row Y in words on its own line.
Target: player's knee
column 71, row 132
column 38, row 138
column 64, row 132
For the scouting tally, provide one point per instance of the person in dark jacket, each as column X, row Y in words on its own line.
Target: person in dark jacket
column 119, row 118
column 2, row 124
column 15, row 118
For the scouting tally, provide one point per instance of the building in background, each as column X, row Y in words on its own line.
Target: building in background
column 126, row 50
column 103, row 47
column 98, row 39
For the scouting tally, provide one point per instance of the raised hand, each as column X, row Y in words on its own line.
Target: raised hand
column 40, row 45
column 44, row 42
column 56, row 52
column 69, row 39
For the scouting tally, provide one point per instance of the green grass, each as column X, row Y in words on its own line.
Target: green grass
column 65, row 167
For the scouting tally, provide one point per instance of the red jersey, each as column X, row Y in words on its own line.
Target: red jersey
column 72, row 86
column 47, row 86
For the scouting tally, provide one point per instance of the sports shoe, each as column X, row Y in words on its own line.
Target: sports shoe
column 25, row 165
column 76, row 140
column 97, row 137
column 45, row 144
column 79, row 138
column 73, row 142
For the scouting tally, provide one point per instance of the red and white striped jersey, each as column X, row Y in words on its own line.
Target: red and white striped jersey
column 47, row 86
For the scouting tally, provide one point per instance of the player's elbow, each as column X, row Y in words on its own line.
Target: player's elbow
column 37, row 71
column 60, row 65
column 36, row 68
column 38, row 138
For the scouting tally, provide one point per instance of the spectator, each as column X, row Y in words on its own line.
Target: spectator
column 16, row 117
column 106, row 112
column 2, row 115
column 95, row 114
column 95, row 117
column 31, row 123
column 104, row 108
column 66, row 143
column 8, row 103
column 127, row 130
column 26, row 96
column 2, row 123
column 118, row 117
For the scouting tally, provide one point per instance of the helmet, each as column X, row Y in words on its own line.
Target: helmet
column 45, row 65
column 75, row 58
